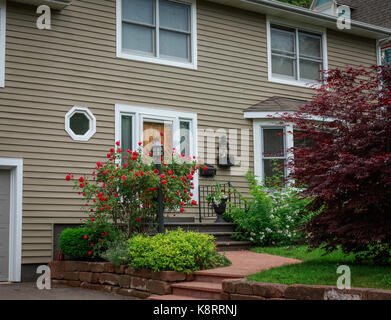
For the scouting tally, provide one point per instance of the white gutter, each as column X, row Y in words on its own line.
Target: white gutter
column 316, row 15
column 53, row 4
column 304, row 15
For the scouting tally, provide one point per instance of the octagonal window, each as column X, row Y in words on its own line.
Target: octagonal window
column 80, row 123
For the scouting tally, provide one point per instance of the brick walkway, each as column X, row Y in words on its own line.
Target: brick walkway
column 207, row 283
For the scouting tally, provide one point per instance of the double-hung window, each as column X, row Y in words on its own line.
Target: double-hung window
column 159, row 31
column 296, row 56
column 2, row 42
column 274, row 156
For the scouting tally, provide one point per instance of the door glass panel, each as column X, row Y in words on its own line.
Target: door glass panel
column 159, row 130
column 185, row 137
column 127, row 133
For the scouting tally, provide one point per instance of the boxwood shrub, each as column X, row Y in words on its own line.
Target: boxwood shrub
column 175, row 250
column 86, row 243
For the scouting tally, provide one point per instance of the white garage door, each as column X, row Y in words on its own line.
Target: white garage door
column 4, row 223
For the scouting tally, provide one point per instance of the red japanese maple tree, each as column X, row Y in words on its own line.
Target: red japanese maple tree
column 346, row 168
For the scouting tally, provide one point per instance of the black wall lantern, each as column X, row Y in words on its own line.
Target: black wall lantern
column 225, row 160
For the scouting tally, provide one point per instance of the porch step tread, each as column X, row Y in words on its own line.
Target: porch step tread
column 234, row 242
column 199, row 224
column 172, row 297
column 200, row 286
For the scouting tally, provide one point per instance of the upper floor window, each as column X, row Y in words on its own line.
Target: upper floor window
column 2, row 42
column 158, row 31
column 295, row 56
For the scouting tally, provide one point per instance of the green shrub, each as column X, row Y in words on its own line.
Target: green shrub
column 117, row 253
column 86, row 243
column 174, row 250
column 272, row 216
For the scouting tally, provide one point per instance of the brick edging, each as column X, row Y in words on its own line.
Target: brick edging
column 104, row 276
column 251, row 290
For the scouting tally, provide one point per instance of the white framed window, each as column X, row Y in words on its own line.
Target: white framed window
column 296, row 53
column 158, row 31
column 2, row 41
column 134, row 124
column 271, row 144
column 80, row 123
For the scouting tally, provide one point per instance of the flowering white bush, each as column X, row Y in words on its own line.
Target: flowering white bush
column 271, row 217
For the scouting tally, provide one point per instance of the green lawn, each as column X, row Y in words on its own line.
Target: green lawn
column 319, row 269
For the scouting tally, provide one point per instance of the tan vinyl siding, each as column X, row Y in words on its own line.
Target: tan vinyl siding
column 50, row 71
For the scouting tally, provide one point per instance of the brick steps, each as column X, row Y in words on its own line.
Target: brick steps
column 204, row 287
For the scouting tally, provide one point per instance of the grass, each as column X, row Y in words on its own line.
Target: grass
column 320, row 269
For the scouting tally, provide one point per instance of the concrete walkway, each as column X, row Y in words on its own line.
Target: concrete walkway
column 29, row 291
column 245, row 263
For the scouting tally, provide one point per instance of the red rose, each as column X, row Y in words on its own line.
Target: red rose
column 140, row 143
column 156, row 171
column 164, row 182
column 182, row 210
column 85, row 237
column 89, row 253
column 68, row 177
column 123, row 177
column 117, row 143
column 81, row 185
column 138, row 219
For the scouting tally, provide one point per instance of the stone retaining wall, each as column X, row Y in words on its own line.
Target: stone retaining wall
column 122, row 280
column 250, row 290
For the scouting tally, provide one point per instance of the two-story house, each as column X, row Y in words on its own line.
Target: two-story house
column 110, row 70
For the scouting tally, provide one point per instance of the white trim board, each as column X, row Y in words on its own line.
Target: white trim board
column 192, row 64
column 15, row 237
column 2, row 41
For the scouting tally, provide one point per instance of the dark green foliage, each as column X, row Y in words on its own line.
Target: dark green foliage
column 300, row 3
column 86, row 243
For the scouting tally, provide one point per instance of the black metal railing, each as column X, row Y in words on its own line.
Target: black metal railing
column 205, row 209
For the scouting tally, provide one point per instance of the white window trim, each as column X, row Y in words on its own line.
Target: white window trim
column 87, row 136
column 140, row 113
column 292, row 24
column 258, row 124
column 2, row 42
column 164, row 61
column 16, row 201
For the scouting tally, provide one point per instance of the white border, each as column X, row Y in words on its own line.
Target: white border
column 140, row 113
column 15, row 235
column 164, row 61
column 87, row 136
column 2, row 42
column 293, row 24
